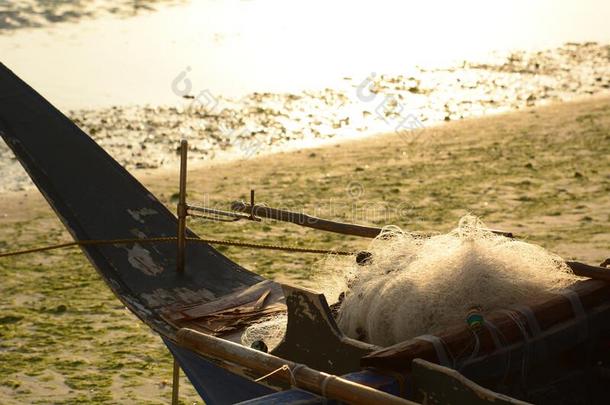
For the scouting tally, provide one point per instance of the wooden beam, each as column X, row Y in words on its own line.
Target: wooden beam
column 309, row 221
column 276, row 368
column 594, row 272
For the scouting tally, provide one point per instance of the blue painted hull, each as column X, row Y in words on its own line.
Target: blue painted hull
column 214, row 384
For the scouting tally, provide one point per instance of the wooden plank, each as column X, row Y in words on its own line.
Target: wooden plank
column 231, row 320
column 585, row 270
column 270, row 290
column 313, row 337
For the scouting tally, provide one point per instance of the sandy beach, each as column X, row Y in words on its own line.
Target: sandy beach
column 542, row 173
column 386, row 113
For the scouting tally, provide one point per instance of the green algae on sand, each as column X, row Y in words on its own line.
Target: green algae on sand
column 65, row 338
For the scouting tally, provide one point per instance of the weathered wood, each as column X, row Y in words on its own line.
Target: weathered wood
column 594, row 272
column 552, row 349
column 302, row 219
column 181, row 208
column 441, row 385
column 272, row 290
column 324, row 347
column 548, row 313
column 230, row 313
column 300, row 375
column 193, row 211
column 176, row 383
column 309, row 221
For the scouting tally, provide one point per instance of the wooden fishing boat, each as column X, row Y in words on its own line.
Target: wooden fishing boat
column 199, row 301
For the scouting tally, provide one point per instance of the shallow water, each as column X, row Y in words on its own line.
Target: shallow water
column 243, row 78
column 23, row 14
column 90, row 54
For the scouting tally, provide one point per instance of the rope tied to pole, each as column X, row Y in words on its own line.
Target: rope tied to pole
column 277, row 370
column 291, row 371
column 325, row 382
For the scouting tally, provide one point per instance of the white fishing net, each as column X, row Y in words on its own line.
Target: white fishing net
column 413, row 286
column 270, row 331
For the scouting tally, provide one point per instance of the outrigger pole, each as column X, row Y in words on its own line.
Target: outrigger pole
column 181, row 250
column 295, row 374
column 302, row 219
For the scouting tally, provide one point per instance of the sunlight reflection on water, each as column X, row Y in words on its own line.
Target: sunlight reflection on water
column 237, row 47
column 20, row 14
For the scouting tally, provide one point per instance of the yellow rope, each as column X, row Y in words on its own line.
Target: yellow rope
column 283, row 368
column 174, row 239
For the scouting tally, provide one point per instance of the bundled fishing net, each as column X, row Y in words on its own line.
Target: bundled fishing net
column 412, row 286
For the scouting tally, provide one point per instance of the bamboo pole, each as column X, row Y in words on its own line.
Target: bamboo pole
column 585, row 270
column 182, row 208
column 175, row 382
column 275, row 368
column 309, row 221
column 306, row 220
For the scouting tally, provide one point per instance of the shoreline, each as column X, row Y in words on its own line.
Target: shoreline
column 221, row 128
column 210, row 174
column 144, row 174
